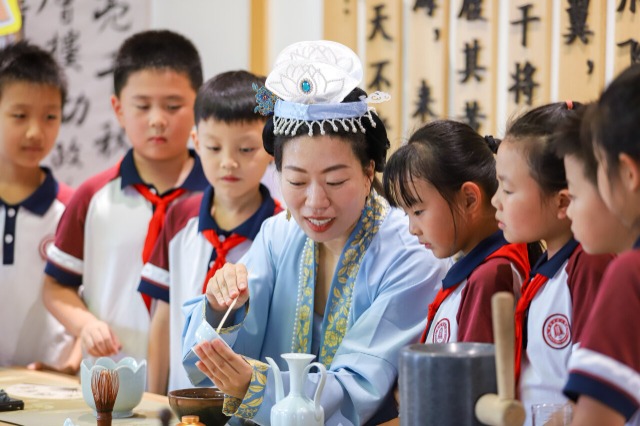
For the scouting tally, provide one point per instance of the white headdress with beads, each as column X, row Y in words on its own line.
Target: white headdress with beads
column 309, row 81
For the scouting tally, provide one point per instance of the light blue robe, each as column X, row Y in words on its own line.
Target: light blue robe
column 386, row 309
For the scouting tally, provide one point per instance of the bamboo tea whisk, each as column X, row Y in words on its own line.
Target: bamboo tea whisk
column 104, row 387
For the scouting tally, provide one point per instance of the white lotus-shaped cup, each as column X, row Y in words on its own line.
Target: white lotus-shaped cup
column 132, row 376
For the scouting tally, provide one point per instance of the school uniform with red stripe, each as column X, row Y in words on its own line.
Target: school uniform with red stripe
column 550, row 318
column 111, row 221
column 190, row 249
column 606, row 366
column 461, row 311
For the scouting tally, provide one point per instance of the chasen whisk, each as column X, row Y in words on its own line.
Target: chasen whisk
column 104, row 387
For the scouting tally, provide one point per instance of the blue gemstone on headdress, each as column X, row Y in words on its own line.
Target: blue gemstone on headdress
column 305, row 86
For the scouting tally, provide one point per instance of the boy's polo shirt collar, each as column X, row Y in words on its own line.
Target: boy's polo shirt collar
column 549, row 267
column 467, row 264
column 41, row 199
column 195, row 181
column 249, row 228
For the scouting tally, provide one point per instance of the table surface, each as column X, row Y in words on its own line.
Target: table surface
column 45, row 412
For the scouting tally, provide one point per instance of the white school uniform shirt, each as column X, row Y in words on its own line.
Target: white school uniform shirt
column 606, row 367
column 555, row 321
column 28, row 332
column 99, row 245
column 180, row 260
column 463, row 315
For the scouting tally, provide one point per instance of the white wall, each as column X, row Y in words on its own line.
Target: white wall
column 218, row 28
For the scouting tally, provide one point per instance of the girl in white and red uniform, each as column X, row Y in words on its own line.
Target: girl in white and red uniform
column 531, row 203
column 444, row 179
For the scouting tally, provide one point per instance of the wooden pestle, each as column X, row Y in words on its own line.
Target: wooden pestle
column 502, row 409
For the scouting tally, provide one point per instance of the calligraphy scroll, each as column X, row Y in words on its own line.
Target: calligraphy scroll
column 259, row 45
column 473, row 77
column 627, row 34
column 383, row 61
column 529, row 58
column 581, row 65
column 427, row 64
column 84, row 37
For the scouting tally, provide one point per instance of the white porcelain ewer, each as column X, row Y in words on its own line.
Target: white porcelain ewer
column 297, row 409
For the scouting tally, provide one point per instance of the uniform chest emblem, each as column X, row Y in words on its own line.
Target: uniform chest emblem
column 442, row 331
column 557, row 331
column 44, row 245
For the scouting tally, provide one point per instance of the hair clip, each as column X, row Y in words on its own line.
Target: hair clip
column 265, row 99
column 376, row 97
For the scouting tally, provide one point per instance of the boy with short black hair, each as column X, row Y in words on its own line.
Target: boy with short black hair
column 33, row 89
column 115, row 217
column 204, row 231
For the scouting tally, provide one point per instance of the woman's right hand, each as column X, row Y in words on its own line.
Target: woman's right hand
column 228, row 283
column 98, row 339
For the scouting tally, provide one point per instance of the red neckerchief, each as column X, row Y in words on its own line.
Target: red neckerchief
column 515, row 253
column 160, row 205
column 222, row 248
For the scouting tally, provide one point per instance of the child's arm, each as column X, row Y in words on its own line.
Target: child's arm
column 591, row 412
column 158, row 350
column 65, row 304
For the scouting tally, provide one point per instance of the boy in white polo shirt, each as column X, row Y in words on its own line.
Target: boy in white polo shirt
column 205, row 230
column 32, row 92
column 115, row 217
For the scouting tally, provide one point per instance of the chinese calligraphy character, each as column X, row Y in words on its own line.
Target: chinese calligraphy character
column 70, row 49
column 634, row 49
column 523, row 82
column 436, row 34
column 590, row 66
column 377, row 23
column 472, row 115
column 578, row 11
column 110, row 142
column 526, row 19
column 471, row 62
column 429, row 5
column 67, row 11
column 109, row 68
column 80, row 108
column 379, row 78
column 66, row 155
column 623, row 4
column 424, row 100
column 113, row 13
column 472, row 9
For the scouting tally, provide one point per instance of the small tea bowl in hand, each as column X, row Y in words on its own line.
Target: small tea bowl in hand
column 132, row 376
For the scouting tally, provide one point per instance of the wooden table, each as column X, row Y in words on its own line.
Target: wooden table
column 45, row 412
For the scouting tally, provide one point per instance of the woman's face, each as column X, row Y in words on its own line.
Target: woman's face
column 324, row 186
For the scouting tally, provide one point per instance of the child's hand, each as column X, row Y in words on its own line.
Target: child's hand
column 99, row 340
column 228, row 283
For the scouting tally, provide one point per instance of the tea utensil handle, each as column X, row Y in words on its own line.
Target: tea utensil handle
column 502, row 304
column 224, row 318
column 323, row 379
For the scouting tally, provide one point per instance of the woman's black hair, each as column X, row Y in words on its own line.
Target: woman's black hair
column 446, row 154
column 616, row 119
column 532, row 133
column 369, row 146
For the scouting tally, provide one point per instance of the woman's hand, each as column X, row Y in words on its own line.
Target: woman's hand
column 228, row 370
column 228, row 283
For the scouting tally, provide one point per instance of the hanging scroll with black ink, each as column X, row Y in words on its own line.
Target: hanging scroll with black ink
column 627, row 36
column 474, row 88
column 581, row 64
column 382, row 70
column 83, row 36
column 427, row 83
column 528, row 71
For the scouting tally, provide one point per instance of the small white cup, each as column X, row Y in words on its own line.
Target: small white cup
column 551, row 414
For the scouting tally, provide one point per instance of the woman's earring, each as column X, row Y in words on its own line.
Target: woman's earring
column 288, row 215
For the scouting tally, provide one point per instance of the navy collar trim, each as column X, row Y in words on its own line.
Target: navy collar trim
column 636, row 245
column 130, row 176
column 249, row 228
column 42, row 198
column 466, row 265
column 549, row 267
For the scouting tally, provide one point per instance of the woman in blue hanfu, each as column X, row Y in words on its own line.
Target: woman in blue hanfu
column 337, row 275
